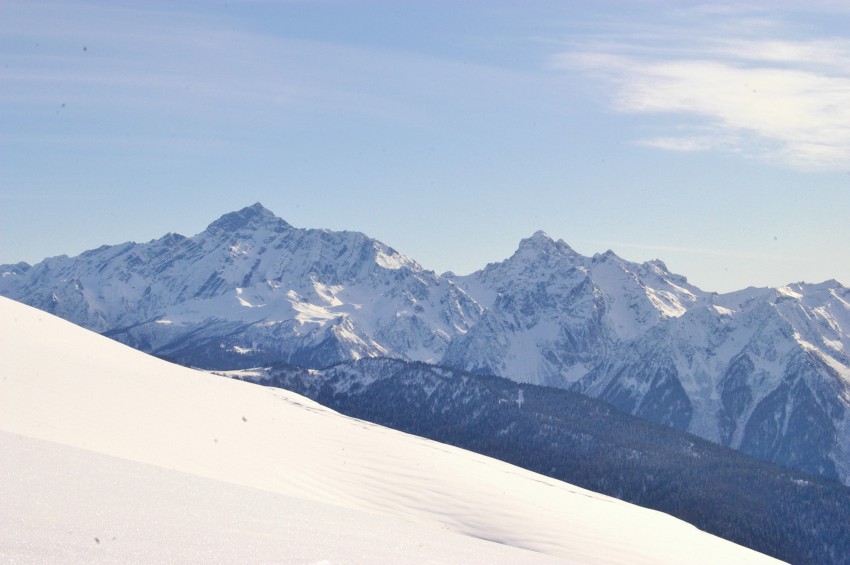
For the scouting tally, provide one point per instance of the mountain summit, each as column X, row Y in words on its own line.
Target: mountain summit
column 252, row 289
column 766, row 371
column 253, row 216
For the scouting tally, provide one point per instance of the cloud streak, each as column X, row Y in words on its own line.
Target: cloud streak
column 781, row 100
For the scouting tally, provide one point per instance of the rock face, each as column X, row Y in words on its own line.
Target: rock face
column 743, row 375
column 766, row 371
column 551, row 315
column 252, row 289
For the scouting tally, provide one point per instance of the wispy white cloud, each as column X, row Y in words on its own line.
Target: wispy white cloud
column 778, row 99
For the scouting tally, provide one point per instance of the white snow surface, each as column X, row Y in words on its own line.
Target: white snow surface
column 110, row 455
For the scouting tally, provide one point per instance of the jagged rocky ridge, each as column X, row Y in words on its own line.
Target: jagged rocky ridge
column 765, row 371
column 252, row 289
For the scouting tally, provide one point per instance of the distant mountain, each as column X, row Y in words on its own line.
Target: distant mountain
column 551, row 315
column 762, row 370
column 252, row 289
column 787, row 514
column 766, row 371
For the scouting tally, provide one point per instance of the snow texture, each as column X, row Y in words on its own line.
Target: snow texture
column 114, row 456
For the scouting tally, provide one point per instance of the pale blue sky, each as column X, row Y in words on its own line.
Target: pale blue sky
column 714, row 136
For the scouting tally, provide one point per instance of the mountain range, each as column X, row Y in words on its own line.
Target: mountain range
column 762, row 370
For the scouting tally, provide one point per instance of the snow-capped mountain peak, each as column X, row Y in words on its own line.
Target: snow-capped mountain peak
column 250, row 217
column 251, row 288
column 554, row 312
column 540, row 245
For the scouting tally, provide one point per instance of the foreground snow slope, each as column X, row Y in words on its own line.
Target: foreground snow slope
column 161, row 462
column 67, row 505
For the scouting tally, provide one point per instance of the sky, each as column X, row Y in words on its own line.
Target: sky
column 714, row 136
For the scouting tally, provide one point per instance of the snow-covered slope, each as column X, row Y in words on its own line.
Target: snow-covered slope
column 761, row 370
column 111, row 455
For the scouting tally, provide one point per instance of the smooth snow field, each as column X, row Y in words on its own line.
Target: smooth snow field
column 110, row 455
